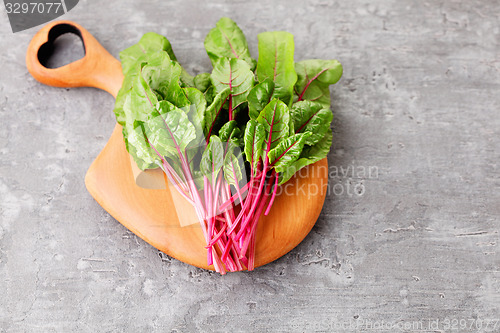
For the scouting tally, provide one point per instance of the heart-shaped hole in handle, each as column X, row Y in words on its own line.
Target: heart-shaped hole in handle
column 65, row 45
column 97, row 68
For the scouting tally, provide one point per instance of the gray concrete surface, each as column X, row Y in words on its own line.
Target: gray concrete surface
column 418, row 103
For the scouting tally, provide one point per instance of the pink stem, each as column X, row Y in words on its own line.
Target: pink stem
column 274, row 194
column 244, row 208
column 251, row 259
column 253, row 227
column 217, row 236
column 233, row 198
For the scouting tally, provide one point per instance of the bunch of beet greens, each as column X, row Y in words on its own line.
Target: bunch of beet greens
column 259, row 121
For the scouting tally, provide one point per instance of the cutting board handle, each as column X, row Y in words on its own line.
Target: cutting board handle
column 97, row 68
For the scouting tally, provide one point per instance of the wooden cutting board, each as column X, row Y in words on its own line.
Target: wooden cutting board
column 150, row 213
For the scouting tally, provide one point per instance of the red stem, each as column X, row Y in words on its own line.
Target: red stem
column 274, row 194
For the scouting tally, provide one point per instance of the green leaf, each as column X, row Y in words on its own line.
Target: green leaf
column 212, row 159
column 227, row 40
column 133, row 135
column 254, row 140
column 169, row 130
column 149, row 43
column 275, row 119
column 139, row 102
column 287, row 152
column 164, row 129
column 202, row 82
column 319, row 150
column 186, row 79
column 236, row 75
column 259, row 96
column 152, row 49
column 210, row 94
column 196, row 109
column 131, row 79
column 138, row 147
column 276, row 51
column 309, row 155
column 232, row 168
column 214, row 110
column 156, row 80
column 311, row 117
column 152, row 78
column 198, row 178
column 162, row 76
column 314, row 79
column 120, row 99
column 230, row 132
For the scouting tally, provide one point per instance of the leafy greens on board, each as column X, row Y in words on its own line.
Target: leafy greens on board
column 262, row 119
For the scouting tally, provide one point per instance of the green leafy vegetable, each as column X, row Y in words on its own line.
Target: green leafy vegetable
column 214, row 111
column 202, row 82
column 276, row 63
column 196, row 110
column 236, row 75
column 138, row 147
column 314, row 79
column 230, row 132
column 311, row 117
column 169, row 130
column 275, row 119
column 260, row 95
column 227, row 40
column 213, row 157
column 232, row 169
column 161, row 76
column 254, row 140
column 309, row 155
column 288, row 151
column 149, row 44
column 246, row 120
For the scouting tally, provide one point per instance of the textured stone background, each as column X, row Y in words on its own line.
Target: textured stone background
column 419, row 101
